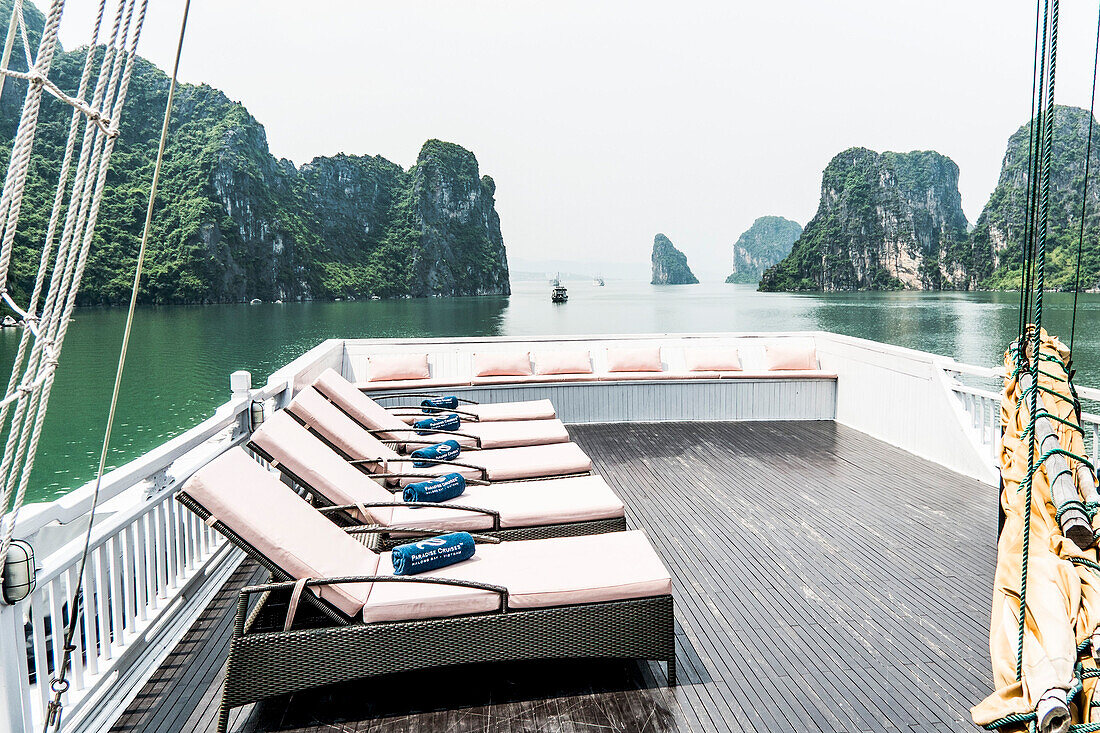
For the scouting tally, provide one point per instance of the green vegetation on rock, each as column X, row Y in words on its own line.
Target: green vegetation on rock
column 885, row 221
column 762, row 245
column 670, row 265
column 998, row 236
column 233, row 223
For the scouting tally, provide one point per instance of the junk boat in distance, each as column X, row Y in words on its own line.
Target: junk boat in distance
column 559, row 294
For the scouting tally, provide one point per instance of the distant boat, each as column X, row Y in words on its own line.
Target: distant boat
column 556, row 282
column 255, row 301
column 559, row 294
column 376, row 297
column 598, row 281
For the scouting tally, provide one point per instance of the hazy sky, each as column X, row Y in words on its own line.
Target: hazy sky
column 606, row 122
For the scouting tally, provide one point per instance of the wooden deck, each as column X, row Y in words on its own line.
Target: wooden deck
column 824, row 581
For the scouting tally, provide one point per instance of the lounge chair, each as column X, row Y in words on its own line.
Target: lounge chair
column 598, row 596
column 310, row 404
column 511, row 510
column 335, row 387
column 372, row 455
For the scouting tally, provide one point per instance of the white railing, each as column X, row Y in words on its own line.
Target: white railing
column 150, row 563
column 983, row 408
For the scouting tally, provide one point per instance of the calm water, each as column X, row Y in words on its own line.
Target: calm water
column 181, row 357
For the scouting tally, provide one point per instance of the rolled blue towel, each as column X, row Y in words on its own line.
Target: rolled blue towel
column 440, row 403
column 439, row 422
column 445, row 487
column 432, row 553
column 444, row 451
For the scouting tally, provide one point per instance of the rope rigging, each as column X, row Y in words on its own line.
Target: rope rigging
column 1058, row 458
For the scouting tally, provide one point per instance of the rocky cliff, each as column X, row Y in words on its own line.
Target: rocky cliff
column 885, row 221
column 233, row 223
column 670, row 265
column 762, row 245
column 998, row 235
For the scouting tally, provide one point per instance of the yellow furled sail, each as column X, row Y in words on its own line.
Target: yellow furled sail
column 1062, row 596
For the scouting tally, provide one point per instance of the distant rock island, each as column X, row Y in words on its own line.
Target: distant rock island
column 762, row 245
column 670, row 265
column 894, row 221
column 234, row 223
column 996, row 239
column 886, row 221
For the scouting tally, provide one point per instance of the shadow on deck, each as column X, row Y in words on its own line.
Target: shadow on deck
column 824, row 581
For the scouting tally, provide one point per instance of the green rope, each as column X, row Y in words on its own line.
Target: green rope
column 1014, row 719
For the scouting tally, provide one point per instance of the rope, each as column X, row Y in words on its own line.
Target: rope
column 33, row 373
column 59, row 683
column 1025, row 257
column 1040, row 275
column 1085, row 192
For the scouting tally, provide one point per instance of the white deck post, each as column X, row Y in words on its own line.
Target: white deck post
column 240, row 383
column 15, row 712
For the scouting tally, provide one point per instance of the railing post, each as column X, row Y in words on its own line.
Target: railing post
column 15, row 711
column 240, row 383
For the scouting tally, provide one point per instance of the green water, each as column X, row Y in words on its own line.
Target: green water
column 181, row 357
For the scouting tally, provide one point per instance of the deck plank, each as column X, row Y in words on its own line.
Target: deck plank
column 824, row 581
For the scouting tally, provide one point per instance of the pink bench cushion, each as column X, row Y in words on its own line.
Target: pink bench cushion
column 382, row 367
column 712, row 360
column 790, row 354
column 283, row 527
column 537, row 379
column 563, row 362
column 638, row 376
column 521, row 504
column 789, row 374
column 319, row 467
column 645, row 359
column 499, row 364
column 537, row 573
column 361, row 408
column 411, row 384
column 510, row 464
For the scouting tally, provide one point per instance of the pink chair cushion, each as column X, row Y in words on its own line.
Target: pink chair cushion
column 538, row 574
column 510, row 464
column 790, row 354
column 361, row 408
column 712, row 360
column 382, row 367
column 506, row 411
column 521, row 504
column 646, row 359
column 563, row 362
column 283, row 527
column 502, row 364
column 319, row 467
column 497, row 434
column 332, row 424
column 515, row 433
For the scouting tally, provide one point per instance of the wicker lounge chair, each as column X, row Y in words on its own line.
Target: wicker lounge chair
column 597, row 596
column 335, row 387
column 379, row 457
column 314, row 408
column 511, row 510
